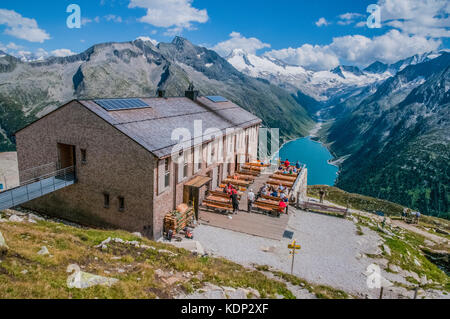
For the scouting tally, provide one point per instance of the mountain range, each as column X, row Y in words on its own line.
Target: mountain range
column 397, row 140
column 387, row 123
column 29, row 90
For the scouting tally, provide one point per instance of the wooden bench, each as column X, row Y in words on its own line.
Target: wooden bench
column 284, row 178
column 283, row 174
column 252, row 168
column 271, row 197
column 278, row 183
column 237, row 182
column 222, row 194
column 217, row 206
column 257, row 164
column 243, row 177
column 320, row 208
column 222, row 187
column 267, row 208
column 247, row 172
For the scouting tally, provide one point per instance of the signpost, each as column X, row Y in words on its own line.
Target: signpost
column 294, row 247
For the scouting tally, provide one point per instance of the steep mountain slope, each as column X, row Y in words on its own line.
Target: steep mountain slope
column 29, row 90
column 398, row 139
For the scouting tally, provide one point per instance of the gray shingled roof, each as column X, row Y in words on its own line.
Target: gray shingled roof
column 152, row 127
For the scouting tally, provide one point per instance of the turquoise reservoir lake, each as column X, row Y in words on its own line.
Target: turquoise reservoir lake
column 315, row 156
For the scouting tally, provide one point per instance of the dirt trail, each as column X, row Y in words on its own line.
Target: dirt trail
column 435, row 238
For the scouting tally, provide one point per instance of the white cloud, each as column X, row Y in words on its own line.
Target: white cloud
column 237, row 41
column 311, row 57
column 13, row 46
column 113, row 18
column 62, row 53
column 85, row 21
column 429, row 18
column 21, row 27
column 322, row 22
column 143, row 38
column 357, row 49
column 349, row 18
column 174, row 14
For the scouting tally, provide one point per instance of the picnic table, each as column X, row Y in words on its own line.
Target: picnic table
column 237, row 182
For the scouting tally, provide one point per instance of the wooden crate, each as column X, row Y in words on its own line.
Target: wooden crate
column 177, row 221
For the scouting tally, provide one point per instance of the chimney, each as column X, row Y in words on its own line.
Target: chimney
column 161, row 93
column 191, row 93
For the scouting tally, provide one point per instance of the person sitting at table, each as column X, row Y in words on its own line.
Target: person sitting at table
column 287, row 163
column 281, row 188
column 297, row 166
column 295, row 170
column 274, row 193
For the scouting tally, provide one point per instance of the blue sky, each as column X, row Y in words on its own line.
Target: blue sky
column 317, row 34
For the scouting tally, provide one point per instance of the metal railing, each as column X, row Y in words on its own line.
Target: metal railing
column 37, row 187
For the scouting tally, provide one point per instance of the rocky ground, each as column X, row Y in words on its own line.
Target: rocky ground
column 337, row 258
column 341, row 253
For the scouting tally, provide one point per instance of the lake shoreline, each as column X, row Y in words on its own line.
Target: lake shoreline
column 311, row 151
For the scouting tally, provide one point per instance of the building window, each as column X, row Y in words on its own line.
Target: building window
column 166, row 173
column 106, row 200
column 121, row 203
column 185, row 169
column 83, row 156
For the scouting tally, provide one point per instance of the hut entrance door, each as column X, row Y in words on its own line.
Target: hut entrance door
column 66, row 155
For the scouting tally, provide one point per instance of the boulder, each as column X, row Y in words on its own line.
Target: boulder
column 44, row 251
column 3, row 245
column 15, row 219
column 387, row 250
column 83, row 280
column 394, row 268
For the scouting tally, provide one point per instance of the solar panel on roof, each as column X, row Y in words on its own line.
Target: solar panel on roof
column 217, row 99
column 121, row 104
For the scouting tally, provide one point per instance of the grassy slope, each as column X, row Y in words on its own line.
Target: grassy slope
column 25, row 274
column 46, row 276
column 370, row 204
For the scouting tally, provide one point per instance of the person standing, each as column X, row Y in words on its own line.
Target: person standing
column 234, row 201
column 282, row 207
column 322, row 195
column 251, row 200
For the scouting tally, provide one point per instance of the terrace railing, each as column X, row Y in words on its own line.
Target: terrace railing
column 37, row 187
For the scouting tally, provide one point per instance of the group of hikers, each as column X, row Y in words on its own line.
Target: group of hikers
column 407, row 214
column 287, row 168
column 233, row 193
column 281, row 192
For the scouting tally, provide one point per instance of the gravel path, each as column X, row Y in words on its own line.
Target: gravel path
column 332, row 253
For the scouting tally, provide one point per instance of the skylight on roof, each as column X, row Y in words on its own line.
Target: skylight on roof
column 217, row 99
column 121, row 104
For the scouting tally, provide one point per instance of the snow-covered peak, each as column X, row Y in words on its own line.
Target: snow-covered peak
column 259, row 66
column 320, row 85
